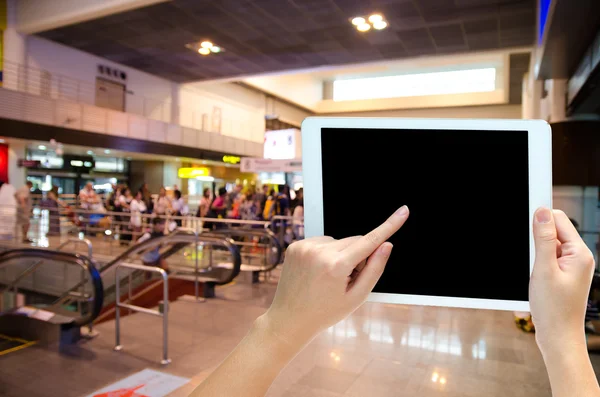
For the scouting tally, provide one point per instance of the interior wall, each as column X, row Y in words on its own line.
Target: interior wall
column 74, row 72
column 150, row 172
column 227, row 108
column 467, row 112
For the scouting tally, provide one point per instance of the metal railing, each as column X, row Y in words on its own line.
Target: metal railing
column 40, row 82
column 44, row 257
column 163, row 310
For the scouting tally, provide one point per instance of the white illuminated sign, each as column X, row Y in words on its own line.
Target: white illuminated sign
column 421, row 84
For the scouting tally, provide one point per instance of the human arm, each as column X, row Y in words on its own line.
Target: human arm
column 323, row 280
column 558, row 294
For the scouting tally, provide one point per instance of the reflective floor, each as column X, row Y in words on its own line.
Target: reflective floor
column 380, row 350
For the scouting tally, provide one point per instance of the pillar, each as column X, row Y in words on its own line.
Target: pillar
column 175, row 111
column 16, row 175
column 14, row 48
column 532, row 97
column 556, row 100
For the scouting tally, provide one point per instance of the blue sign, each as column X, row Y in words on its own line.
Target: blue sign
column 544, row 8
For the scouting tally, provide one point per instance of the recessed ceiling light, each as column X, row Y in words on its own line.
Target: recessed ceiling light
column 380, row 25
column 375, row 18
column 90, row 152
column 363, row 27
column 204, row 51
column 42, row 147
column 107, row 151
column 357, row 21
column 177, row 159
column 206, row 44
column 215, row 49
column 204, row 162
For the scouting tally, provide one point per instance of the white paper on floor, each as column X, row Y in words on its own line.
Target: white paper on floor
column 146, row 383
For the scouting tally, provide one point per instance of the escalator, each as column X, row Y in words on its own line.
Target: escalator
column 47, row 296
column 33, row 301
column 187, row 276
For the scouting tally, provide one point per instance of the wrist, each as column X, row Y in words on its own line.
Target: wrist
column 556, row 347
column 283, row 336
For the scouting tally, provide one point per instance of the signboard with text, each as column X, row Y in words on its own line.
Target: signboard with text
column 250, row 164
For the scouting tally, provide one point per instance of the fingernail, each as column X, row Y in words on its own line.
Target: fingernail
column 386, row 249
column 402, row 211
column 543, row 215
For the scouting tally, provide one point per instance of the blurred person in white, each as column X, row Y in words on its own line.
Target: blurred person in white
column 8, row 210
column 180, row 208
column 88, row 199
column 162, row 204
column 298, row 215
column 24, row 209
column 324, row 280
column 24, row 202
column 137, row 207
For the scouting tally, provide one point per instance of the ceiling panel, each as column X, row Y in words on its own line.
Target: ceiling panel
column 273, row 35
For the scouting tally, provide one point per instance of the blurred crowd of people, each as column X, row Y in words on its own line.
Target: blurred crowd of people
column 247, row 203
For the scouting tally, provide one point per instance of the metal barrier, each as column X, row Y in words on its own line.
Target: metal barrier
column 163, row 311
column 76, row 241
column 255, row 236
column 46, row 256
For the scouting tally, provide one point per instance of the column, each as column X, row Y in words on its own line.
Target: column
column 175, row 111
column 531, row 98
column 556, row 98
column 14, row 49
column 16, row 175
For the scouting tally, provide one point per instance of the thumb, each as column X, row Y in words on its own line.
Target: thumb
column 545, row 237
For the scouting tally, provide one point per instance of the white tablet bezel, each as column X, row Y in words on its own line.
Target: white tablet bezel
column 540, row 184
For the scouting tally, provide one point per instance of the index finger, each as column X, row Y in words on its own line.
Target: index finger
column 367, row 244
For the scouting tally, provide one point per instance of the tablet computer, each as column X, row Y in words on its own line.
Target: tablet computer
column 472, row 187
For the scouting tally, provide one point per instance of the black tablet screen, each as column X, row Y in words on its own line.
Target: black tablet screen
column 468, row 194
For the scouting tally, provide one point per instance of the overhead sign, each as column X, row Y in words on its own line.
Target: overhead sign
column 29, row 163
column 192, row 172
column 282, row 144
column 231, row 159
column 146, row 383
column 250, row 164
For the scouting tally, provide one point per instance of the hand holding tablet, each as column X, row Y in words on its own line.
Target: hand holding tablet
column 469, row 185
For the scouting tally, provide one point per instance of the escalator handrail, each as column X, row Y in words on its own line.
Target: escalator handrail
column 74, row 259
column 251, row 233
column 222, row 241
column 173, row 238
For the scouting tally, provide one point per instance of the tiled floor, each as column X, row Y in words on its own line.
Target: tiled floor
column 379, row 351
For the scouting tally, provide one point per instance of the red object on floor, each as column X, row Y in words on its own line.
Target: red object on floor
column 128, row 392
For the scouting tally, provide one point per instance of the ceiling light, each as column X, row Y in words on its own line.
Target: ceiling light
column 380, row 25
column 363, row 27
column 375, row 18
column 206, row 44
column 90, row 152
column 215, row 49
column 357, row 21
column 42, row 147
column 107, row 151
column 204, row 51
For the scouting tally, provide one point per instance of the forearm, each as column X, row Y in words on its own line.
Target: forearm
column 251, row 368
column 570, row 371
